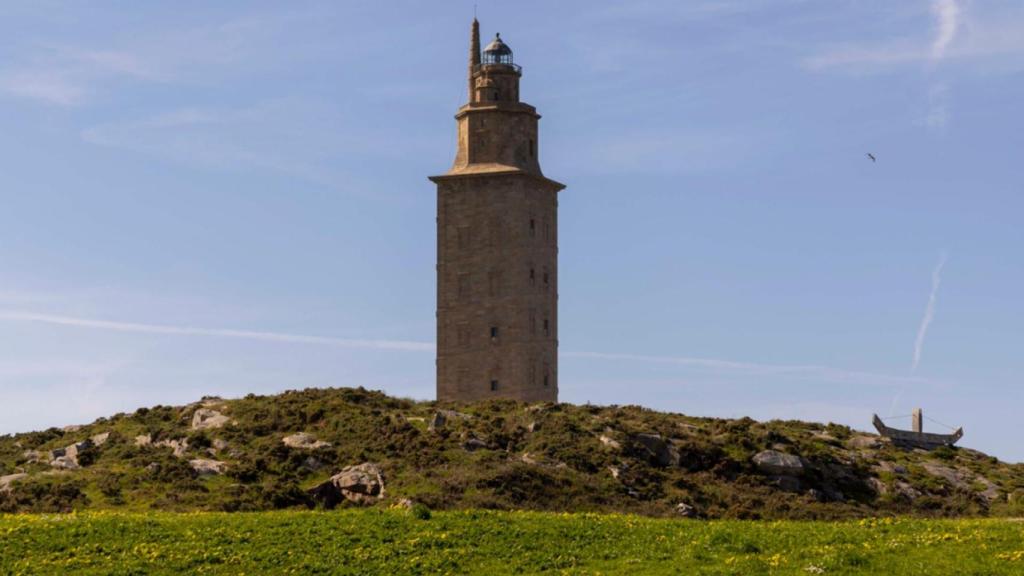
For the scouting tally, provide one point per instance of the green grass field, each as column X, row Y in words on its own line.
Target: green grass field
column 397, row 542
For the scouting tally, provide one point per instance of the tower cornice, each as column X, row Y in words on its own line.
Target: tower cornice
column 511, row 107
column 490, row 170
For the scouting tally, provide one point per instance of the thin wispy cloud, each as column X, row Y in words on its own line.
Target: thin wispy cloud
column 949, row 30
column 47, row 86
column 937, row 114
column 710, row 364
column 802, row 371
column 946, row 14
column 929, row 312
column 67, row 77
column 169, row 330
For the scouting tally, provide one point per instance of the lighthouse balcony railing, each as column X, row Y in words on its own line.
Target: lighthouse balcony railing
column 515, row 67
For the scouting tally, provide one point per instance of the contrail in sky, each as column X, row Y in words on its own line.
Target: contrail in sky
column 947, row 16
column 717, row 365
column 929, row 312
column 215, row 332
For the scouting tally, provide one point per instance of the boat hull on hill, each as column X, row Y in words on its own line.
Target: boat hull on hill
column 911, row 439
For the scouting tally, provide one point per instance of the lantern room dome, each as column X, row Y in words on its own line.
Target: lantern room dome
column 497, row 52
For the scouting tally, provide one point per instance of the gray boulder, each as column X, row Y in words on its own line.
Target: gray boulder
column 64, row 463
column 786, row 483
column 618, row 471
column 685, row 510
column 609, row 442
column 208, row 418
column 777, row 463
column 437, row 421
column 6, row 481
column 443, row 417
column 474, row 444
column 67, row 458
column 657, row 449
column 178, row 446
column 360, row 484
column 303, row 441
column 863, row 442
column 205, row 467
column 906, row 491
column 143, row 440
column 886, row 466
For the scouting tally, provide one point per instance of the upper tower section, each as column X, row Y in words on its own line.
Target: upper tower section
column 496, row 77
column 497, row 132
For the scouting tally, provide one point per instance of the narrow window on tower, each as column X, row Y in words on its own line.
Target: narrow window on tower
column 531, row 148
column 494, row 385
column 547, row 328
column 533, row 227
column 547, row 375
column 533, row 276
column 494, row 333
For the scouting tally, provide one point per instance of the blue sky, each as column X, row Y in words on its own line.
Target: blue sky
column 223, row 198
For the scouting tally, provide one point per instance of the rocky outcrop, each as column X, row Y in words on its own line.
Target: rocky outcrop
column 178, row 446
column 67, row 458
column 437, row 421
column 32, row 456
column 100, row 439
column 143, row 440
column 959, row 479
column 963, row 479
column 864, row 442
column 776, row 463
column 303, row 441
column 474, row 444
column 609, row 442
column 786, row 483
column 685, row 510
column 658, row 450
column 204, row 467
column 618, row 471
column 64, row 463
column 442, row 417
column 208, row 418
column 6, row 481
column 360, row 484
column 889, row 467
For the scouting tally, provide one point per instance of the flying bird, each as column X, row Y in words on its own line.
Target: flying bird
column 872, row 156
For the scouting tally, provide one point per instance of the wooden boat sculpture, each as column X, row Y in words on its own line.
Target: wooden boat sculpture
column 917, row 438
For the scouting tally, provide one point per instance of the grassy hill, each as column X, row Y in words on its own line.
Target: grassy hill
column 274, row 452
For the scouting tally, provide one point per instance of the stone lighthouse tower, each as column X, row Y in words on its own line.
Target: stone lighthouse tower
column 497, row 245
